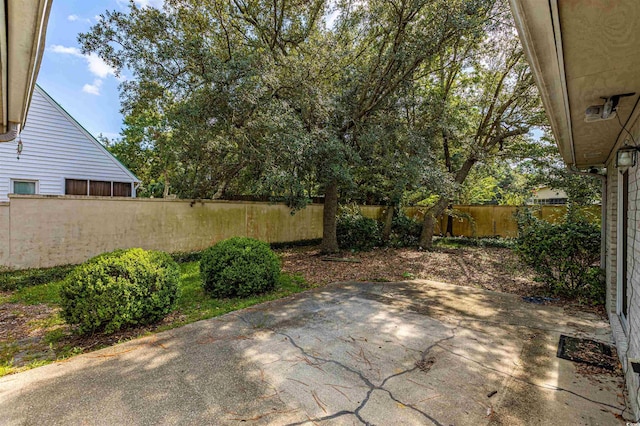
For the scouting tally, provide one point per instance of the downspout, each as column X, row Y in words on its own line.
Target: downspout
column 603, row 211
column 14, row 129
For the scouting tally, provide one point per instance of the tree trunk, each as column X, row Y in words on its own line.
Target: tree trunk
column 329, row 235
column 449, row 232
column 165, row 192
column 426, row 237
column 388, row 223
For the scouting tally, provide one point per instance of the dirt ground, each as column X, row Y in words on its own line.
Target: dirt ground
column 497, row 269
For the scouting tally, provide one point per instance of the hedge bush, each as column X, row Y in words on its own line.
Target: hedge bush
column 356, row 232
column 239, row 267
column 119, row 289
column 565, row 255
column 405, row 232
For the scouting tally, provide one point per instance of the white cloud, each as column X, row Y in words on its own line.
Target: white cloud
column 142, row 3
column 93, row 89
column 72, row 18
column 150, row 3
column 56, row 48
column 96, row 65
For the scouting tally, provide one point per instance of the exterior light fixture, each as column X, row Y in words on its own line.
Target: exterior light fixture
column 626, row 157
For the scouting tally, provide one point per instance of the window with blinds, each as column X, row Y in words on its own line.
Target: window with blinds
column 121, row 189
column 97, row 188
column 100, row 188
column 75, row 187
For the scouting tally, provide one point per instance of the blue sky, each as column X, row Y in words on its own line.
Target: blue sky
column 84, row 85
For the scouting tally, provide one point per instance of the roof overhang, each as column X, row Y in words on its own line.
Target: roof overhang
column 23, row 25
column 581, row 52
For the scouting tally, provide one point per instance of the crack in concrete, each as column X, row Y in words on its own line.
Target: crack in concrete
column 424, row 354
column 372, row 387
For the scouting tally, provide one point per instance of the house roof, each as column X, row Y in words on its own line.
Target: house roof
column 88, row 135
column 581, row 52
column 23, row 25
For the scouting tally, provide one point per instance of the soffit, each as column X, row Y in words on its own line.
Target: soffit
column 22, row 40
column 601, row 45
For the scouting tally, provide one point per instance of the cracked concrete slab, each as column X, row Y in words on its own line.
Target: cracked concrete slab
column 354, row 353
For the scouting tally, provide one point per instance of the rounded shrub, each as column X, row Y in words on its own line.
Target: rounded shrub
column 239, row 267
column 119, row 289
column 565, row 255
column 405, row 232
column 357, row 232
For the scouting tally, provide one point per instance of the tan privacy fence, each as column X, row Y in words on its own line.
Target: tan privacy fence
column 43, row 231
column 499, row 221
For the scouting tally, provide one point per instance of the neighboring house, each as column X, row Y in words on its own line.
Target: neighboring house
column 585, row 56
column 548, row 196
column 59, row 157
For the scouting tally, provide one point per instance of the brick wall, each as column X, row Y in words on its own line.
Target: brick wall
column 611, row 238
column 626, row 331
column 633, row 277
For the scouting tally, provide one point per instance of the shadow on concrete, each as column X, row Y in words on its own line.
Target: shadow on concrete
column 393, row 353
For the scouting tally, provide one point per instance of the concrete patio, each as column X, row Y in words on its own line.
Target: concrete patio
column 418, row 353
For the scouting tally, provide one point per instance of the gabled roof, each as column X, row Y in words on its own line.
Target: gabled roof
column 581, row 52
column 88, row 135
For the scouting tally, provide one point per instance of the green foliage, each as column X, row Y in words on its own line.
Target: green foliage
column 292, row 244
column 48, row 293
column 119, row 289
column 15, row 280
column 495, row 182
column 356, row 232
column 239, row 267
column 541, row 165
column 405, row 232
column 187, row 256
column 193, row 304
column 475, row 242
column 565, row 255
column 280, row 99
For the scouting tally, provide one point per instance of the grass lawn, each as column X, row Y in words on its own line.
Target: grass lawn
column 32, row 332
column 36, row 334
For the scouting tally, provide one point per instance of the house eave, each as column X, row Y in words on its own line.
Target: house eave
column 542, row 44
column 23, row 25
column 581, row 54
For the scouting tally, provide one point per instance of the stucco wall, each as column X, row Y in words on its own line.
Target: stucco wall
column 48, row 231
column 5, row 233
column 43, row 231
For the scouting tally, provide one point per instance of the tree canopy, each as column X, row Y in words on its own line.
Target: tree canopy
column 292, row 99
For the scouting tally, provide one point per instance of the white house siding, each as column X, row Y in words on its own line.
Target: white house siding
column 626, row 331
column 55, row 148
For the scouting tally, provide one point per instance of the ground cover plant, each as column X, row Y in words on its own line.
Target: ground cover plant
column 33, row 332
